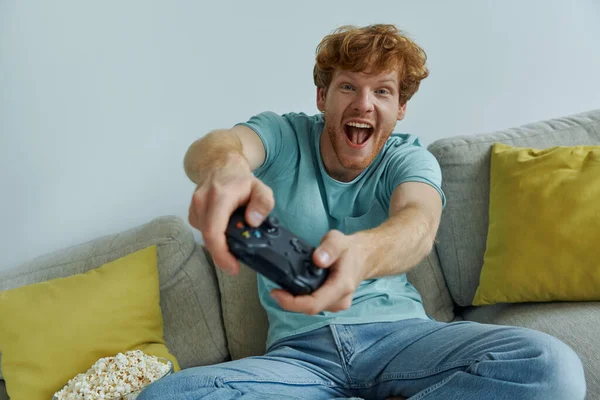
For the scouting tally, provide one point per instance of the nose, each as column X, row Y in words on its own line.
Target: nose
column 363, row 101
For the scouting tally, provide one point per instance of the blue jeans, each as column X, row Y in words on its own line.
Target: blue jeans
column 415, row 358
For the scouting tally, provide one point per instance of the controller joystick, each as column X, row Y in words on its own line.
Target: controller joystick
column 271, row 225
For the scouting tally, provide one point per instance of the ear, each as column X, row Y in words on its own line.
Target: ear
column 321, row 92
column 401, row 111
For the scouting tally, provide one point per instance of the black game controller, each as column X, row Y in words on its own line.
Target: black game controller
column 276, row 253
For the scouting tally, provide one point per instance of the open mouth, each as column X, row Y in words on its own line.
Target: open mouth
column 358, row 133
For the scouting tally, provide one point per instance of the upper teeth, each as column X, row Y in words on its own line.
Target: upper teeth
column 359, row 125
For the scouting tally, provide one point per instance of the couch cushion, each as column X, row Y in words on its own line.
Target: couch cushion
column 189, row 295
column 544, row 226
column 428, row 279
column 244, row 318
column 84, row 317
column 574, row 323
column 465, row 164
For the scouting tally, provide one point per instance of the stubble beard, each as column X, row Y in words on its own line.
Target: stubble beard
column 338, row 141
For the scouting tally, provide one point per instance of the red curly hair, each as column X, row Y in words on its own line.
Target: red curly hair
column 371, row 49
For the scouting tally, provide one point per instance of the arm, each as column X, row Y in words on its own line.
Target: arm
column 392, row 248
column 221, row 165
column 239, row 146
column 408, row 235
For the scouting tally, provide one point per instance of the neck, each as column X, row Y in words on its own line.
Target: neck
column 332, row 165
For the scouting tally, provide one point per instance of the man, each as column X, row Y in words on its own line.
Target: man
column 371, row 202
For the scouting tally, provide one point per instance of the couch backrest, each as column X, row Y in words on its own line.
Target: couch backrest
column 465, row 162
column 189, row 293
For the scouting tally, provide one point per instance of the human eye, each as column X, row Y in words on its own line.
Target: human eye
column 383, row 91
column 347, row 87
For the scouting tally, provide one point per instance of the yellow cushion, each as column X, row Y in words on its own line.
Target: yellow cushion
column 53, row 330
column 544, row 226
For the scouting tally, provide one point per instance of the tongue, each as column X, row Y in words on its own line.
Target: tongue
column 358, row 135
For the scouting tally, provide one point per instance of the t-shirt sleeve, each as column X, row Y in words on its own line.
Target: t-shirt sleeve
column 280, row 142
column 413, row 163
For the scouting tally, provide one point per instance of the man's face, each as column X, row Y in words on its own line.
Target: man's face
column 361, row 111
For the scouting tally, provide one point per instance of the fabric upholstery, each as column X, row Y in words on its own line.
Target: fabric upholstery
column 244, row 318
column 428, row 279
column 3, row 394
column 465, row 169
column 574, row 323
column 189, row 293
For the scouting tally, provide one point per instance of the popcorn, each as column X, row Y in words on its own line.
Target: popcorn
column 115, row 377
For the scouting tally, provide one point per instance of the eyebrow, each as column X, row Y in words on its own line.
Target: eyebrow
column 344, row 75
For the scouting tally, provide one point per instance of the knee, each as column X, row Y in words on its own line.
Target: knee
column 557, row 370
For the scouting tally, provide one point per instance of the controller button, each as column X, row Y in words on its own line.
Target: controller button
column 239, row 225
column 246, row 234
column 257, row 234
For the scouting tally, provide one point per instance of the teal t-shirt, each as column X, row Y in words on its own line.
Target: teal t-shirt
column 309, row 203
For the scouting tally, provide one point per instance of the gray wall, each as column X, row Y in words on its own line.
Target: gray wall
column 99, row 100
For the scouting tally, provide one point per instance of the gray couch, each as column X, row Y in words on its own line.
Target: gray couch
column 210, row 317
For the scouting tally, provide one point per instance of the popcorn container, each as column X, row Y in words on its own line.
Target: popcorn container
column 128, row 395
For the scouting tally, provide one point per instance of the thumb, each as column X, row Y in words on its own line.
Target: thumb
column 329, row 250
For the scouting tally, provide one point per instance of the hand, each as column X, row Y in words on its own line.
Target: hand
column 346, row 257
column 217, row 197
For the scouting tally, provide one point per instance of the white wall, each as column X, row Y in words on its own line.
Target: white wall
column 99, row 100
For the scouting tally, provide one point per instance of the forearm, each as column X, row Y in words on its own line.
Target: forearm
column 399, row 243
column 217, row 149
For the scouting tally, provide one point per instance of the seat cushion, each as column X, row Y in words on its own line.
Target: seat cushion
column 575, row 323
column 465, row 164
column 189, row 294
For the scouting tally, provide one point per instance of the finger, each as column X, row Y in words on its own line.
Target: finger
column 196, row 210
column 333, row 291
column 261, row 203
column 342, row 304
column 228, row 270
column 301, row 304
column 329, row 250
column 217, row 215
